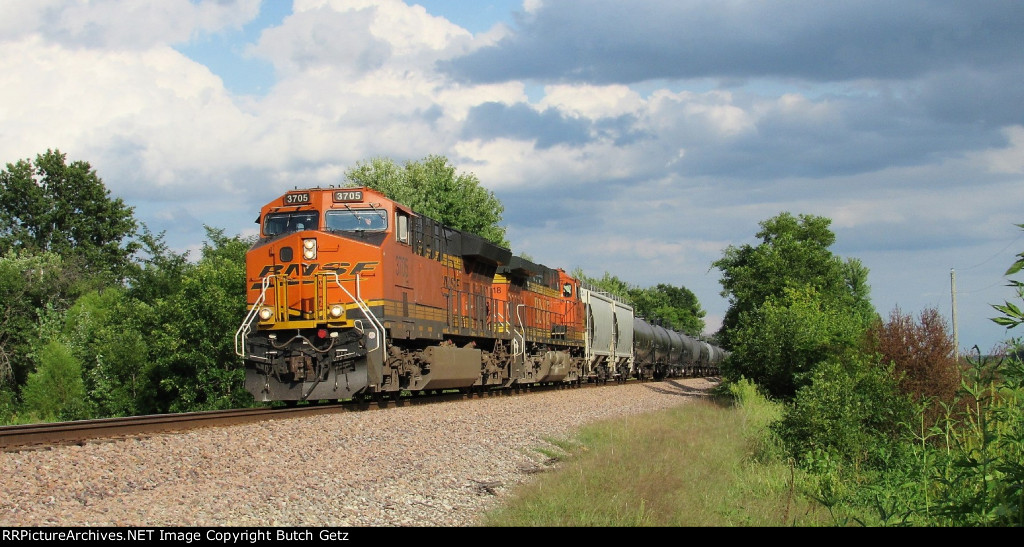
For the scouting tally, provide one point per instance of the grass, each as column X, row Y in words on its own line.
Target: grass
column 700, row 464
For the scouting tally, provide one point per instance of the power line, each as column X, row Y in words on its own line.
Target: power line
column 989, row 259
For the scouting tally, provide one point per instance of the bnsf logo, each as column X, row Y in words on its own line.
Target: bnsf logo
column 341, row 268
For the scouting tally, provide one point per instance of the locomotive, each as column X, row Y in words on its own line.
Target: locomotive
column 354, row 295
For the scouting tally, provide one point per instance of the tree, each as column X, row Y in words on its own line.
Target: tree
column 850, row 412
column 923, row 357
column 779, row 344
column 55, row 390
column 608, row 283
column 672, row 307
column 30, row 283
column 108, row 332
column 196, row 365
column 794, row 252
column 157, row 272
column 53, row 206
column 432, row 188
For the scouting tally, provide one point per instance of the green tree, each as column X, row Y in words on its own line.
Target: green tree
column 108, row 334
column 194, row 351
column 778, row 344
column 30, row 283
column 431, row 187
column 607, row 283
column 673, row 307
column 848, row 411
column 157, row 270
column 55, row 391
column 794, row 252
column 53, row 206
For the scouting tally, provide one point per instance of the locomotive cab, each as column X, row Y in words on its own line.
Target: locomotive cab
column 314, row 287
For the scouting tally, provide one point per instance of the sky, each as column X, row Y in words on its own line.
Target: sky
column 637, row 138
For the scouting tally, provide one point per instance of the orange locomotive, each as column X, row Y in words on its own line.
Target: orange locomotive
column 351, row 294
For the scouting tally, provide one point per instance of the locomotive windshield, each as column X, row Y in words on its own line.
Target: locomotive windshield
column 355, row 220
column 280, row 223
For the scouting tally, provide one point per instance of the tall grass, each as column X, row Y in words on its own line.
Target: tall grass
column 706, row 463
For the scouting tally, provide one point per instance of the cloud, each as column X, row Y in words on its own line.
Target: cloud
column 635, row 138
column 607, row 41
column 114, row 24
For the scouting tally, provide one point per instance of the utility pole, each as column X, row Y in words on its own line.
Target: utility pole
column 956, row 338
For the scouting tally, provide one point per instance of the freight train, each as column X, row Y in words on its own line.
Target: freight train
column 352, row 295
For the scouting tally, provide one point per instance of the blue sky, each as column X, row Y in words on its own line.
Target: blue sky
column 639, row 138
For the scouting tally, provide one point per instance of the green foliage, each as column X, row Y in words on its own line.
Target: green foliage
column 849, row 412
column 50, row 205
column 158, row 271
column 109, row 332
column 196, row 364
column 8, row 405
column 673, row 307
column 1011, row 314
column 977, row 472
column 961, row 468
column 29, row 284
column 431, row 187
column 55, row 391
column 608, row 283
column 779, row 343
column 794, row 252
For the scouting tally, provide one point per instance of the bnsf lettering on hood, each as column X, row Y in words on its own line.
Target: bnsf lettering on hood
column 296, row 270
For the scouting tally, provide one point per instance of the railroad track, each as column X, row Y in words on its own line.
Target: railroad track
column 14, row 438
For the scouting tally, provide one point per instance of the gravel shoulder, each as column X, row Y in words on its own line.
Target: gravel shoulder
column 432, row 465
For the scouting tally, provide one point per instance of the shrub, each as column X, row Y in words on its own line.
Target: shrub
column 924, row 360
column 850, row 413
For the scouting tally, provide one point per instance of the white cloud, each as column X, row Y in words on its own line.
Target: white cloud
column 697, row 115
column 100, row 81
column 590, row 101
column 1009, row 159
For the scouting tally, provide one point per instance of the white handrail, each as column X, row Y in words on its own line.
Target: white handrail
column 378, row 327
column 243, row 331
column 522, row 334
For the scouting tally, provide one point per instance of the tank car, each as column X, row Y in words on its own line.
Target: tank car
column 664, row 353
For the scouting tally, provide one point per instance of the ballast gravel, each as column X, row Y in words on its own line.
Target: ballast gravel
column 436, row 465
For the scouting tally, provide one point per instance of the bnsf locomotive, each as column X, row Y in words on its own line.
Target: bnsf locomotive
column 353, row 295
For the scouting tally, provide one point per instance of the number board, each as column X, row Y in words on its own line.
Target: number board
column 296, row 199
column 348, row 195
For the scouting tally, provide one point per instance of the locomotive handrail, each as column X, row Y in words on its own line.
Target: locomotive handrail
column 243, row 331
column 378, row 327
column 521, row 335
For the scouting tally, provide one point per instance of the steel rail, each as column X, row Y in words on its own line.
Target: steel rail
column 15, row 438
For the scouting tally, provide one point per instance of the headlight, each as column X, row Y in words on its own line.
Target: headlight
column 337, row 310
column 266, row 314
column 309, row 249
